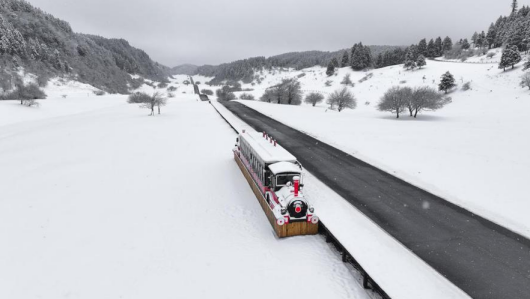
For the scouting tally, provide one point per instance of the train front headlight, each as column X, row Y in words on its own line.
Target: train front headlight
column 284, row 211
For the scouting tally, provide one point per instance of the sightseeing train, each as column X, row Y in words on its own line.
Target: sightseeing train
column 276, row 177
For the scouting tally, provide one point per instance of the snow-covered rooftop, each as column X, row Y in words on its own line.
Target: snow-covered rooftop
column 284, row 167
column 267, row 150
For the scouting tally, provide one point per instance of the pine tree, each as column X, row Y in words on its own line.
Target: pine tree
column 335, row 62
column 447, row 44
column 361, row 57
column 422, row 47
column 410, row 62
column 490, row 37
column 380, row 62
column 515, row 56
column 515, row 5
column 465, row 44
column 57, row 62
column 447, row 82
column 345, row 59
column 516, row 35
column 431, row 49
column 421, row 61
column 474, row 38
column 438, row 46
column 331, row 69
column 510, row 57
column 5, row 45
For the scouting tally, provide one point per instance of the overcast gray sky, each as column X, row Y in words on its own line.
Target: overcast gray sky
column 173, row 32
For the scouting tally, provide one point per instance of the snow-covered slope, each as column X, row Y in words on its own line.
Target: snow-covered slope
column 98, row 200
column 474, row 152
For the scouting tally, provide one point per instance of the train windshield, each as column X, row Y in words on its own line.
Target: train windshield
column 283, row 179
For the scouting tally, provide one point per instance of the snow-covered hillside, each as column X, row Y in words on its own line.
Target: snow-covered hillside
column 98, row 200
column 474, row 152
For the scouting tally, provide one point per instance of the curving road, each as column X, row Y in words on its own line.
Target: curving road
column 482, row 258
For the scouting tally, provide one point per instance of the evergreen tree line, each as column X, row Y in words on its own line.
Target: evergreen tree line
column 47, row 46
column 512, row 30
column 246, row 70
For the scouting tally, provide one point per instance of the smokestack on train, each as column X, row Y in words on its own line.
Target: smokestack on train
column 296, row 185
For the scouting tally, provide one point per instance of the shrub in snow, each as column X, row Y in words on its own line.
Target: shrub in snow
column 99, row 92
column 162, row 85
column 403, row 82
column 525, row 80
column 247, row 96
column 198, row 83
column 31, row 103
column 148, row 101
column 395, row 100
column 342, row 99
column 347, row 80
column 225, row 94
column 170, row 95
column 172, row 89
column 331, row 69
column 314, row 98
column 26, row 93
column 424, row 99
column 186, row 82
column 207, row 92
column 328, row 83
column 447, row 82
column 366, row 78
column 491, row 55
column 466, row 86
column 42, row 80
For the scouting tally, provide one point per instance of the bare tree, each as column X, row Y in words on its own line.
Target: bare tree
column 314, row 98
column 268, row 96
column 293, row 91
column 147, row 101
column 426, row 98
column 525, row 80
column 395, row 100
column 278, row 93
column 343, row 99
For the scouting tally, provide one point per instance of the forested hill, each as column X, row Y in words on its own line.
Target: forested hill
column 47, row 46
column 244, row 69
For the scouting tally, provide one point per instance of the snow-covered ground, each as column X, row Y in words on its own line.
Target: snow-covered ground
column 393, row 266
column 474, row 152
column 98, row 200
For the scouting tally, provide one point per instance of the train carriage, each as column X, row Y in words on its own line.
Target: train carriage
column 276, row 178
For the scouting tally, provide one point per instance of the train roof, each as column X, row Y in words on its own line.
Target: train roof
column 266, row 150
column 284, row 167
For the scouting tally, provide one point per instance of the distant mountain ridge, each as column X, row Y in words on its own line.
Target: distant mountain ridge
column 244, row 69
column 47, row 47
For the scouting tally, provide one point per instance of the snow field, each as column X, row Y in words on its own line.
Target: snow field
column 396, row 269
column 98, row 200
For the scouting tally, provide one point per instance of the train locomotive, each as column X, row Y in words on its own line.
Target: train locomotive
column 276, row 178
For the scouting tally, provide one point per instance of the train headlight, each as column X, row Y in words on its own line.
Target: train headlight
column 311, row 209
column 284, row 211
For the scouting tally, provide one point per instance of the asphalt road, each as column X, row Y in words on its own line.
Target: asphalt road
column 482, row 258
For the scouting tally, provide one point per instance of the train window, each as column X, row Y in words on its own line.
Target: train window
column 282, row 180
